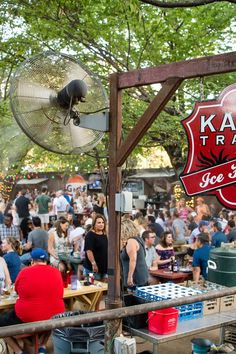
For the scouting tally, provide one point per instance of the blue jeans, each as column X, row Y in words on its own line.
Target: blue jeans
column 26, row 258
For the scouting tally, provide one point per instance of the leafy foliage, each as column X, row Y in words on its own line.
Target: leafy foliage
column 110, row 36
column 182, row 3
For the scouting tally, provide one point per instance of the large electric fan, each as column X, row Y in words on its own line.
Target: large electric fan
column 59, row 103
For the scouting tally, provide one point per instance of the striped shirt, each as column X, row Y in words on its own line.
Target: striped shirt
column 8, row 231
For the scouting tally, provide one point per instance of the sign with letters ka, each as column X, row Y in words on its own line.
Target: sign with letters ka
column 211, row 164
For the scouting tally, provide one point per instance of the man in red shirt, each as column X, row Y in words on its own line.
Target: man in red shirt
column 40, row 289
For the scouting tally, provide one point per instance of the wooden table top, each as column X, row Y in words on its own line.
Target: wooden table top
column 7, row 302
column 169, row 275
column 97, row 287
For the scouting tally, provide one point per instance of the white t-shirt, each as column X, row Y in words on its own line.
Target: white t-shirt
column 78, row 231
column 2, row 272
column 60, row 204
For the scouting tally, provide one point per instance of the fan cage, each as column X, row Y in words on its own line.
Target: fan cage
column 34, row 104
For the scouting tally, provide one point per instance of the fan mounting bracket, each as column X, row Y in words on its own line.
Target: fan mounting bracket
column 97, row 121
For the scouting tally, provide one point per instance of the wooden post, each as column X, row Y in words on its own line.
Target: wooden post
column 171, row 76
column 113, row 327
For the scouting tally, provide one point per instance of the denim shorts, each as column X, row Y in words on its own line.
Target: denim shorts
column 97, row 276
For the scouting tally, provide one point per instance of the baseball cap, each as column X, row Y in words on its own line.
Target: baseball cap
column 203, row 223
column 39, row 253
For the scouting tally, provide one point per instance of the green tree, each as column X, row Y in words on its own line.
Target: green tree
column 113, row 35
column 184, row 3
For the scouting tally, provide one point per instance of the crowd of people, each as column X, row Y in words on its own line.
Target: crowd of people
column 56, row 221
column 34, row 230
column 162, row 233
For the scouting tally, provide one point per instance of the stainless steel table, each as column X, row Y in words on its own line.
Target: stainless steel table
column 189, row 327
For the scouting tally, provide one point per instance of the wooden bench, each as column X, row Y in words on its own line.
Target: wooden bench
column 35, row 340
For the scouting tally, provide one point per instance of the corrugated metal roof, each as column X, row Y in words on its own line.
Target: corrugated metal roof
column 157, row 174
column 32, row 181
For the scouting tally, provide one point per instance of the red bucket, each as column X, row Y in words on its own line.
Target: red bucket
column 163, row 321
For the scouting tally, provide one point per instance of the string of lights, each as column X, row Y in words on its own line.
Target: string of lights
column 8, row 182
column 179, row 193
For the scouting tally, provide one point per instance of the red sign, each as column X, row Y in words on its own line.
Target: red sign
column 211, row 165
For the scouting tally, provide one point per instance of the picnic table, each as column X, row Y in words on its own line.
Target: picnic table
column 166, row 275
column 88, row 295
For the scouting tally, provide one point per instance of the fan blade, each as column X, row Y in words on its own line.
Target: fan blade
column 33, row 96
column 82, row 138
column 73, row 71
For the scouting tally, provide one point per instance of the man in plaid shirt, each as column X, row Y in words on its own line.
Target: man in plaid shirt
column 8, row 229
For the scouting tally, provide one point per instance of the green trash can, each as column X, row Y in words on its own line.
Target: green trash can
column 222, row 266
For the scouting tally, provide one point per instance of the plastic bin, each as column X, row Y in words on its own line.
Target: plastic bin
column 163, row 321
column 86, row 338
column 169, row 291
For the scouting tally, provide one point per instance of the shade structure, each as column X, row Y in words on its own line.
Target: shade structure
column 32, row 181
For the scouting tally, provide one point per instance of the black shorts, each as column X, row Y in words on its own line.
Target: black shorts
column 8, row 318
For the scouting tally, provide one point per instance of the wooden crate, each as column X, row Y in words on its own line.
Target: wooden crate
column 227, row 303
column 184, row 283
column 211, row 306
column 199, row 284
column 230, row 334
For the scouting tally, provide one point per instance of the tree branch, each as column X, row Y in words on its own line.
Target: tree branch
column 185, row 3
column 7, row 83
column 129, row 39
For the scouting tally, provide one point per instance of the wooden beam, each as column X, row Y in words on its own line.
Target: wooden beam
column 148, row 117
column 212, row 65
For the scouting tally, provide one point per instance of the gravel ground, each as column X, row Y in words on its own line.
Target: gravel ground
column 182, row 346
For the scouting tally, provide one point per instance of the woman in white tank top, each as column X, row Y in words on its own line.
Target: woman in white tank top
column 5, row 280
column 58, row 240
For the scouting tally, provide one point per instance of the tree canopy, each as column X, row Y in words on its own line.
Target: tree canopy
column 110, row 36
column 183, row 3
